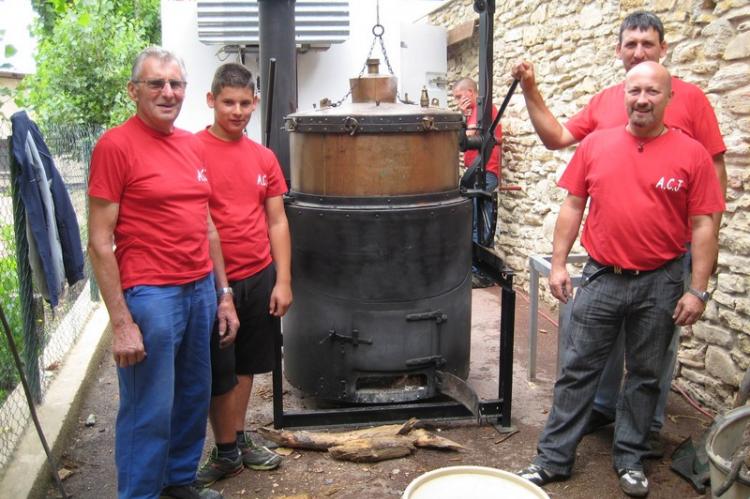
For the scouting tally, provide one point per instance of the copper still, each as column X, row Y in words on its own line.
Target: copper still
column 381, row 242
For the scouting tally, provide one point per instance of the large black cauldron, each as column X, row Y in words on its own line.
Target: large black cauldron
column 381, row 241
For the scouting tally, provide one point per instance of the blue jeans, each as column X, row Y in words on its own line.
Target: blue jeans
column 491, row 185
column 609, row 386
column 643, row 305
column 161, row 423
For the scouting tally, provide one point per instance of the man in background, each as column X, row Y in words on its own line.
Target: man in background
column 465, row 97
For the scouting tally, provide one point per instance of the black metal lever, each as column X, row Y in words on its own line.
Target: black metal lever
column 437, row 315
column 354, row 339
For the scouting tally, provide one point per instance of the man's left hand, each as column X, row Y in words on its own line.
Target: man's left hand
column 688, row 310
column 281, row 299
column 228, row 322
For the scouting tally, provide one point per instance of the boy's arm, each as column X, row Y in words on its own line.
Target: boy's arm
column 281, row 252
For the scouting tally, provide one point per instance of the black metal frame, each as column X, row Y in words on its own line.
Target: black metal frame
column 497, row 411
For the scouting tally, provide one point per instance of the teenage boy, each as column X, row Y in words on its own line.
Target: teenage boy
column 248, row 209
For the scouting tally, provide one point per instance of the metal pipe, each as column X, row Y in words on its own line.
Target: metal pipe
column 269, row 94
column 277, row 40
column 30, row 401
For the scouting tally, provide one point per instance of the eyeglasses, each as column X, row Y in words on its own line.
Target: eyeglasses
column 176, row 85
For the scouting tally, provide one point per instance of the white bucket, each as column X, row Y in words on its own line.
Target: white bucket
column 475, row 482
column 723, row 439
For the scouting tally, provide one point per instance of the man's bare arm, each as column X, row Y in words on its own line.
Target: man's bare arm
column 281, row 251
column 703, row 251
column 552, row 133
column 566, row 231
column 127, row 340
column 721, row 173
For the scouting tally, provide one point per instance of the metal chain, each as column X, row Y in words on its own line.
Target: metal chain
column 361, row 72
column 377, row 31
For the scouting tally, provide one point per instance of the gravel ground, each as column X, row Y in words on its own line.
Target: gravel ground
column 309, row 474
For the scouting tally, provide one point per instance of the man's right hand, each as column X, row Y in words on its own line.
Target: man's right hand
column 523, row 71
column 127, row 345
column 560, row 284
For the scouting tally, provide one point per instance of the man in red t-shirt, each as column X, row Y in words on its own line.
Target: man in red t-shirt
column 153, row 248
column 641, row 39
column 247, row 206
column 465, row 96
column 648, row 185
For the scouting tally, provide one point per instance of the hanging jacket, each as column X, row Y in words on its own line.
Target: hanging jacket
column 50, row 217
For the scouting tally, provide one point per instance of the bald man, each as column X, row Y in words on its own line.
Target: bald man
column 648, row 185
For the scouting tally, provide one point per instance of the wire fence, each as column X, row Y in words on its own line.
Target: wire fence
column 43, row 335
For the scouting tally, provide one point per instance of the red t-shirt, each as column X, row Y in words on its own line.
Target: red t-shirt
column 688, row 110
column 641, row 201
column 160, row 184
column 493, row 164
column 242, row 175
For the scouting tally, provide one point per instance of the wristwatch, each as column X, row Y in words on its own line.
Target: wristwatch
column 702, row 295
column 224, row 291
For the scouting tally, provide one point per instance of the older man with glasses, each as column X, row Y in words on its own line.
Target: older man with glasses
column 157, row 258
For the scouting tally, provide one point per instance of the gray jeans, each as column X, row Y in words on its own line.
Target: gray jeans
column 641, row 305
column 611, row 380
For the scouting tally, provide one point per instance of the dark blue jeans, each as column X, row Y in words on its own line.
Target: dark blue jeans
column 161, row 424
column 643, row 306
column 491, row 185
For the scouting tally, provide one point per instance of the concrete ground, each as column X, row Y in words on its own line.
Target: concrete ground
column 309, row 474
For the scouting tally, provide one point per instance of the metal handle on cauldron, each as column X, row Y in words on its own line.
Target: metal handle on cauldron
column 354, row 339
column 437, row 315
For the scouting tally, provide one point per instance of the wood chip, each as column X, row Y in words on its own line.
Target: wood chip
column 65, row 473
column 283, row 451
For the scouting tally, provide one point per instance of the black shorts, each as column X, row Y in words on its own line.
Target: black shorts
column 252, row 351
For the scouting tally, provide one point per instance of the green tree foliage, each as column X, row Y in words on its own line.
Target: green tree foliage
column 9, row 299
column 83, row 66
column 49, row 11
column 145, row 11
column 5, row 93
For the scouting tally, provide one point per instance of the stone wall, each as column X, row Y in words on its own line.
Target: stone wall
column 572, row 44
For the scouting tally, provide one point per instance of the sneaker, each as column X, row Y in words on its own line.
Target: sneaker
column 597, row 420
column 633, row 482
column 217, row 468
column 188, row 492
column 655, row 446
column 539, row 476
column 258, row 457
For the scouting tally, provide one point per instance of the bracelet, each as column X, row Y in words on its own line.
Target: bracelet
column 224, row 291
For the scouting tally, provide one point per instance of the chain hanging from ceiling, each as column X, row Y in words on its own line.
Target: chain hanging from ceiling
column 377, row 36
